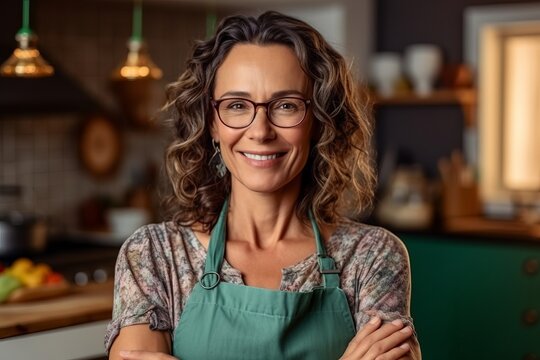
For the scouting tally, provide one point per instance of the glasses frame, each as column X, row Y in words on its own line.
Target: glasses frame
column 256, row 105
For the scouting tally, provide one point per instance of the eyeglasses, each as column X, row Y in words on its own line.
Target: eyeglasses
column 239, row 113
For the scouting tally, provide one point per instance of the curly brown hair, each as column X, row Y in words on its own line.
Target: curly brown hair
column 340, row 158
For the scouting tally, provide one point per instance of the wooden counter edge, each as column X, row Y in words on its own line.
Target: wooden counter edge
column 37, row 326
column 51, row 323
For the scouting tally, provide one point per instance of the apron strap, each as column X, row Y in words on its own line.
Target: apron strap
column 327, row 265
column 216, row 251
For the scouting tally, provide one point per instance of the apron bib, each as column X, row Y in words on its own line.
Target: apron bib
column 228, row 321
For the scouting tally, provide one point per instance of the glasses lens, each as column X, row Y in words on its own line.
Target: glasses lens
column 236, row 112
column 287, row 112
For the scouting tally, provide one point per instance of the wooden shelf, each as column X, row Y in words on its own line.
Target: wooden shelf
column 483, row 226
column 438, row 97
column 465, row 98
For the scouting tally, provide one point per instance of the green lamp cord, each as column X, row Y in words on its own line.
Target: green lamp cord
column 136, row 34
column 25, row 29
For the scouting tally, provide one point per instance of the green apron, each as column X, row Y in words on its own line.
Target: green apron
column 228, row 321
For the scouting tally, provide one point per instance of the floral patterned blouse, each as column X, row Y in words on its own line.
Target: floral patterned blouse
column 159, row 265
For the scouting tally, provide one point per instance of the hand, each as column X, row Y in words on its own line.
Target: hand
column 145, row 355
column 376, row 342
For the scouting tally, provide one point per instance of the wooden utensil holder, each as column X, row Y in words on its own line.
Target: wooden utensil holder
column 459, row 200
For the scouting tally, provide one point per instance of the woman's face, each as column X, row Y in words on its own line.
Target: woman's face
column 262, row 157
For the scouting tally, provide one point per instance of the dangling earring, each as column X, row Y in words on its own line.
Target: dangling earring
column 221, row 169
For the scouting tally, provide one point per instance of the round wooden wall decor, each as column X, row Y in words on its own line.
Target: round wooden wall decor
column 100, row 146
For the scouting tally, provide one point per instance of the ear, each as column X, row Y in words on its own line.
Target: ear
column 214, row 131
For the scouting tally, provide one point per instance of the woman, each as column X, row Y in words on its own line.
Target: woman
column 258, row 263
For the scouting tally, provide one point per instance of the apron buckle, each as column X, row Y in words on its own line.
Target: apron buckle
column 212, row 285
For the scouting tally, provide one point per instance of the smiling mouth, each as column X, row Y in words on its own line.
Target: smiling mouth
column 263, row 157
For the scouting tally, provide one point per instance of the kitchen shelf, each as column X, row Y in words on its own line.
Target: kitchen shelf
column 465, row 98
column 438, row 97
column 513, row 229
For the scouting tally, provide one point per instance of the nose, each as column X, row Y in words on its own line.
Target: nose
column 261, row 129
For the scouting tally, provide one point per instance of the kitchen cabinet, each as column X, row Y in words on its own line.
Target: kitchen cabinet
column 73, row 342
column 475, row 299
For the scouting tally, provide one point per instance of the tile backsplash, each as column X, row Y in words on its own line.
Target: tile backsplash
column 41, row 155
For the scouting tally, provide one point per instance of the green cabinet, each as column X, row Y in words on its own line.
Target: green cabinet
column 475, row 299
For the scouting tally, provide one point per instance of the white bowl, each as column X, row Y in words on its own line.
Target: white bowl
column 124, row 221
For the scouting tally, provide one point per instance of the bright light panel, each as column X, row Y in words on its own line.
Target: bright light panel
column 521, row 113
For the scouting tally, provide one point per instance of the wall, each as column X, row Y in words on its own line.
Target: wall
column 346, row 24
column 401, row 23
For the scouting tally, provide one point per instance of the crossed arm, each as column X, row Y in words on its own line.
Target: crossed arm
column 375, row 341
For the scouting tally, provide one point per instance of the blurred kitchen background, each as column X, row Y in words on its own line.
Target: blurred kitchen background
column 456, row 107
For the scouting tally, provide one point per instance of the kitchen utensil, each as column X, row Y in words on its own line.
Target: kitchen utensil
column 459, row 190
column 405, row 203
column 21, row 232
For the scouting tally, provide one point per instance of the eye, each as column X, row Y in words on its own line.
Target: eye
column 235, row 105
column 287, row 105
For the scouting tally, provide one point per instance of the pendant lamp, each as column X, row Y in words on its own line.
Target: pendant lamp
column 138, row 64
column 26, row 61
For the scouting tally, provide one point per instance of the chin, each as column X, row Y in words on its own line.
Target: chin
column 268, row 186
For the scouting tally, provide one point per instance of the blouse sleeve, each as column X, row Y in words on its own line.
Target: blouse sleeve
column 140, row 293
column 384, row 287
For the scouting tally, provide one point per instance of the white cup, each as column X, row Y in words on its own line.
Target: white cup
column 422, row 64
column 385, row 72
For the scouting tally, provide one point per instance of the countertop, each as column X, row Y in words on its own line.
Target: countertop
column 477, row 229
column 85, row 304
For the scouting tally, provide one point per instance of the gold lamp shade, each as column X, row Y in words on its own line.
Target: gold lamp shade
column 138, row 64
column 26, row 61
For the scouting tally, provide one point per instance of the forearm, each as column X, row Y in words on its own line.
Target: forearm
column 140, row 337
column 415, row 353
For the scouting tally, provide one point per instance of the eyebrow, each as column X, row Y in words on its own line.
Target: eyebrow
column 274, row 95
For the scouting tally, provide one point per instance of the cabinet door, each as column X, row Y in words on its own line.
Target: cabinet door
column 84, row 341
column 468, row 298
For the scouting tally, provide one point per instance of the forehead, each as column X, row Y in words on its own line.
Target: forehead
column 260, row 68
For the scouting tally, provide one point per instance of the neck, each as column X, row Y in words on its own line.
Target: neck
column 263, row 220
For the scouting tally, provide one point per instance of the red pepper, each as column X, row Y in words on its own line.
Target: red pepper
column 54, row 278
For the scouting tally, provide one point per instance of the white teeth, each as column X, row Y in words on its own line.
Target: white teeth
column 261, row 157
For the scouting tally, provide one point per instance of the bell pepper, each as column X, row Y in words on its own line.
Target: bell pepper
column 8, row 284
